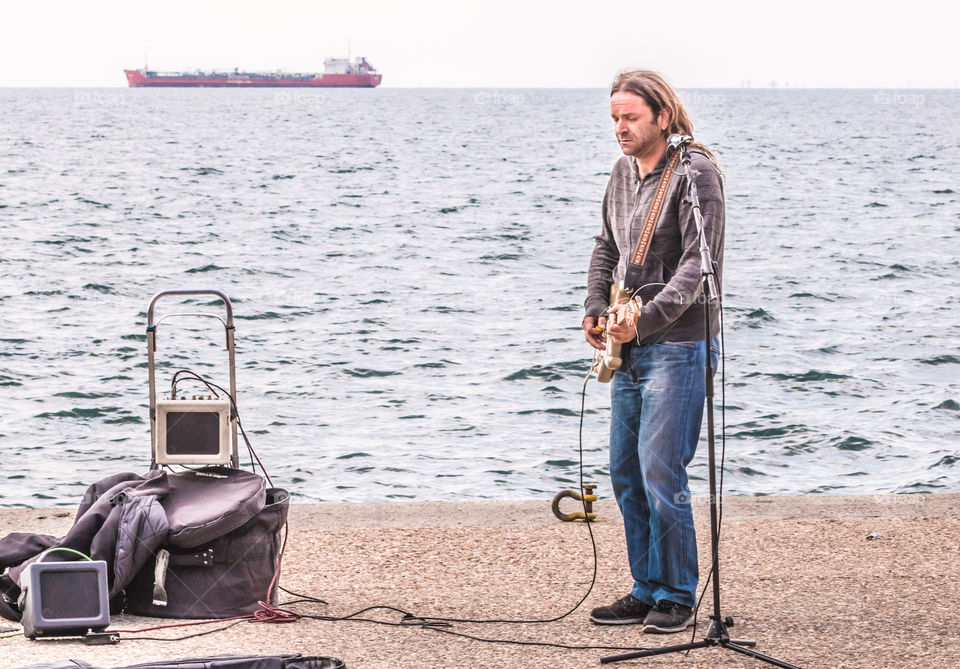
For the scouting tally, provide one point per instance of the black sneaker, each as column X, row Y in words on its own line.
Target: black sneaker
column 625, row 611
column 667, row 617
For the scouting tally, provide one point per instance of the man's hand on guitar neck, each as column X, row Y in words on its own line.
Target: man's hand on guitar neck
column 593, row 329
column 622, row 324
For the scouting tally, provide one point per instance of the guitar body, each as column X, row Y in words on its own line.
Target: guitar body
column 606, row 362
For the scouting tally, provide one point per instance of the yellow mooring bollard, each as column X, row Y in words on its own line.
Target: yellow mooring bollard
column 588, row 498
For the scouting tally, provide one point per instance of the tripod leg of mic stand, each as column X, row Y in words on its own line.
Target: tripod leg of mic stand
column 649, row 652
column 760, row 656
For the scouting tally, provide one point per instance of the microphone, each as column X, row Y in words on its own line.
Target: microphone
column 675, row 141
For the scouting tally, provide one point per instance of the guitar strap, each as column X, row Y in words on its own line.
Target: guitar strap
column 643, row 244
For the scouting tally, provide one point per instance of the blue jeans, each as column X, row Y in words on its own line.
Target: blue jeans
column 657, row 401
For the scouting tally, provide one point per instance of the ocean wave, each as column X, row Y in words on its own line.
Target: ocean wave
column 551, row 372
column 809, row 376
column 364, row 373
column 940, row 360
column 851, row 443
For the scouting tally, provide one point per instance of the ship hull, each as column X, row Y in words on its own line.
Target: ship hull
column 137, row 79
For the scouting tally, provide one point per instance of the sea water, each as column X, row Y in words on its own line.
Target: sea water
column 407, row 270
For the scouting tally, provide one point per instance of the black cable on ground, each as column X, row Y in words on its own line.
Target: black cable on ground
column 442, row 624
column 303, row 598
column 183, row 638
column 593, row 544
column 443, row 628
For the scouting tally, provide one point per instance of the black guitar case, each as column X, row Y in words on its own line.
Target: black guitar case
column 223, row 547
column 217, row 662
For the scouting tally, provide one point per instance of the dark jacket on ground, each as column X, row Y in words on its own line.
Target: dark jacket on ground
column 120, row 521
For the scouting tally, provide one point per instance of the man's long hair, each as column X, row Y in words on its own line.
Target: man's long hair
column 659, row 96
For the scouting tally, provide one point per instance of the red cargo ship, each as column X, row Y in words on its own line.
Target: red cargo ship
column 338, row 72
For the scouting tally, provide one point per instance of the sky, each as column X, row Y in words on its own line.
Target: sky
column 494, row 43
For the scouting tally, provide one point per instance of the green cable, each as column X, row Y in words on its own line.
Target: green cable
column 10, row 636
column 67, row 550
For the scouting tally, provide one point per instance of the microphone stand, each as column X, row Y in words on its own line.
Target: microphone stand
column 717, row 634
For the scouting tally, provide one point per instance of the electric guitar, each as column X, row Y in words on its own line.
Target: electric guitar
column 607, row 361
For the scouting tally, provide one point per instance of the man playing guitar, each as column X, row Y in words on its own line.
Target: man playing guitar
column 649, row 238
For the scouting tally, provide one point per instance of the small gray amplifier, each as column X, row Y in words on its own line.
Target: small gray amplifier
column 64, row 598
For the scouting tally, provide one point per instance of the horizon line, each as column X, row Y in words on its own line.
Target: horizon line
column 778, row 87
